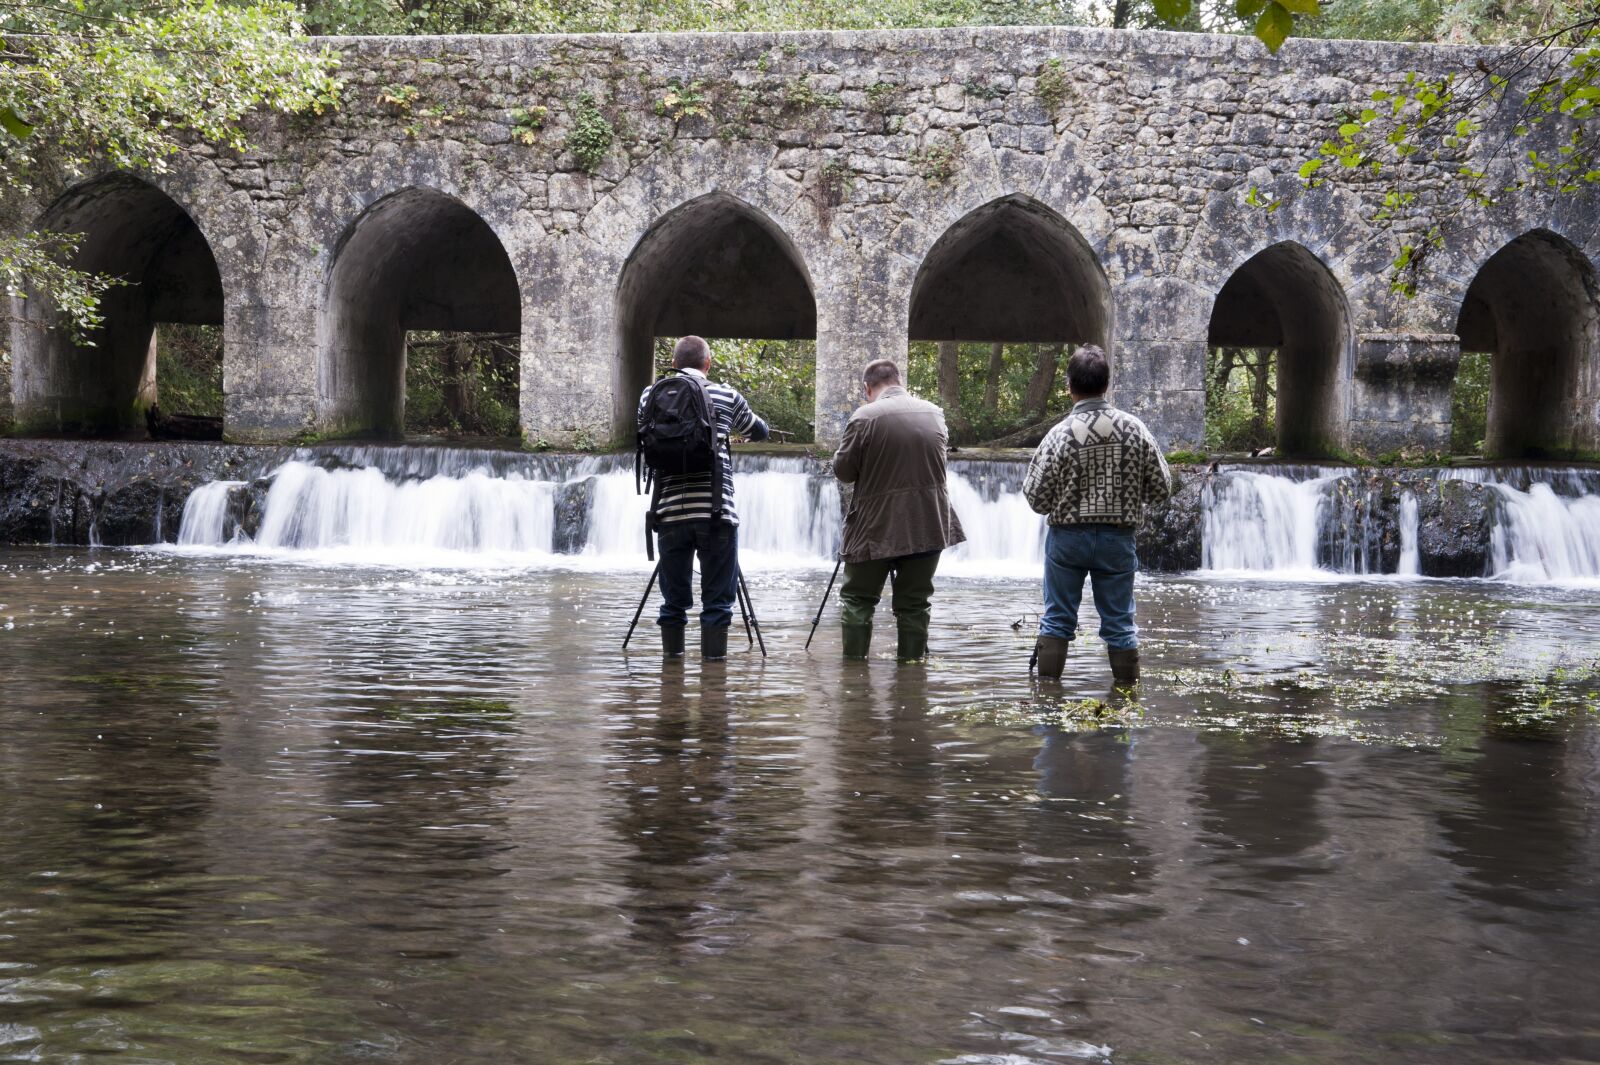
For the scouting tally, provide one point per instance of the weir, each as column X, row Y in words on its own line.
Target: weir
column 435, row 507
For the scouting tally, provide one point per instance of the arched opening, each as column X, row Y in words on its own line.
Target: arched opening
column 1528, row 329
column 1001, row 300
column 717, row 267
column 1278, row 365
column 421, row 324
column 157, row 353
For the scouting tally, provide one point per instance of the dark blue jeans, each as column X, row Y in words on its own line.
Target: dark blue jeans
column 1105, row 554
column 717, row 544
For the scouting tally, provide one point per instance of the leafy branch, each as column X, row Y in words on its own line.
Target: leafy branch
column 1535, row 104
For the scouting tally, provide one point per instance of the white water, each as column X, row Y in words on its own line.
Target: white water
column 427, row 511
column 428, row 508
column 1262, row 522
column 1319, row 522
column 1546, row 537
column 1410, row 565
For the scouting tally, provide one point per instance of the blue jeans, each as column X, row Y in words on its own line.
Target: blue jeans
column 1106, row 555
column 717, row 544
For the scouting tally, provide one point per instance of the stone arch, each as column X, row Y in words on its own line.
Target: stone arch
column 1011, row 270
column 131, row 230
column 1286, row 298
column 1534, row 308
column 416, row 259
column 715, row 266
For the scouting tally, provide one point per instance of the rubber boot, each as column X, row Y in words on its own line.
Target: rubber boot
column 913, row 643
column 857, row 640
column 672, row 641
column 1051, row 652
column 1124, row 665
column 714, row 644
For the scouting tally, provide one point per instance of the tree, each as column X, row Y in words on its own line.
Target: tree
column 1525, row 117
column 129, row 86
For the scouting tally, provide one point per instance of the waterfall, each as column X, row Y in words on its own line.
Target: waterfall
column 1263, row 521
column 205, row 515
column 417, row 506
column 1409, row 520
column 428, row 506
column 1545, row 536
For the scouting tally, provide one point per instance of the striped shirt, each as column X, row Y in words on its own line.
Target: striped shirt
column 687, row 497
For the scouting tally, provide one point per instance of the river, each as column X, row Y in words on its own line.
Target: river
column 276, row 807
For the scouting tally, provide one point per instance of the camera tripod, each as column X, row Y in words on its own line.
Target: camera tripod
column 747, row 610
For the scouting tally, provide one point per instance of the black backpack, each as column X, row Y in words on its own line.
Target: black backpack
column 677, row 435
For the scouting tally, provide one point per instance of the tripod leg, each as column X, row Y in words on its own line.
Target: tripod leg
column 750, row 614
column 823, row 605
column 642, row 599
column 744, row 608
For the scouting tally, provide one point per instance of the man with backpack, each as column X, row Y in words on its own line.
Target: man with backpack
column 685, row 422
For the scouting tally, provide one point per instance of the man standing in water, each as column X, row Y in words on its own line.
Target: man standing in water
column 688, row 521
column 1092, row 477
column 900, row 519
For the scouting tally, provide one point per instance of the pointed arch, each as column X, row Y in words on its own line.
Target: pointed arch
column 1287, row 299
column 1011, row 270
column 716, row 266
column 1532, row 307
column 131, row 230
column 416, row 259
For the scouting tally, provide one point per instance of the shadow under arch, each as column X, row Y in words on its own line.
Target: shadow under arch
column 131, row 230
column 416, row 259
column 1285, row 298
column 1011, row 271
column 1533, row 309
column 715, row 266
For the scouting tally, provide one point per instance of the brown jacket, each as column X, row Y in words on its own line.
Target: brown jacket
column 894, row 453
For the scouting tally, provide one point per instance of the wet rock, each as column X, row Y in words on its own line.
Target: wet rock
column 1455, row 528
column 1169, row 539
column 74, row 492
column 574, row 504
column 1361, row 533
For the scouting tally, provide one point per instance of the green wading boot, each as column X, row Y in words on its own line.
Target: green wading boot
column 672, row 641
column 714, row 644
column 913, row 643
column 1052, row 656
column 1124, row 665
column 857, row 640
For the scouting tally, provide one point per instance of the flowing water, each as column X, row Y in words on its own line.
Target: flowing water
column 433, row 507
column 258, row 807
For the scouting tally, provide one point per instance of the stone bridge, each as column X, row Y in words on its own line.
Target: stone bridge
column 591, row 193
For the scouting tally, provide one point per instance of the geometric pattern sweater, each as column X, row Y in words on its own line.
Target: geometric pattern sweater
column 1097, row 465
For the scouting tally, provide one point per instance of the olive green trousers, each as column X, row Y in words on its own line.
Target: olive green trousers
column 913, row 590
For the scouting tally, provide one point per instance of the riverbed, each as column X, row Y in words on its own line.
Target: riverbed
column 266, row 810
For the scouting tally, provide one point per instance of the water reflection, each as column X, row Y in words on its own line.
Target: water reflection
column 316, row 815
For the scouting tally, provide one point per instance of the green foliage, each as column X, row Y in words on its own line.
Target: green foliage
column 462, row 385
column 189, row 369
column 1052, row 85
column 526, row 122
column 990, row 406
column 936, row 161
column 128, row 85
column 591, row 135
column 778, row 377
column 1469, row 404
column 682, row 101
column 881, row 96
column 1241, row 399
column 801, row 95
column 1538, row 101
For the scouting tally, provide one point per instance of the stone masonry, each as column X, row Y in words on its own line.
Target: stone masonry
column 860, row 188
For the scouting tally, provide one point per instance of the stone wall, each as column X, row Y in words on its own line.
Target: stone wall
column 861, row 188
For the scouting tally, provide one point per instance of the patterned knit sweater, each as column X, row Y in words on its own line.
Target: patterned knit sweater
column 1097, row 465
